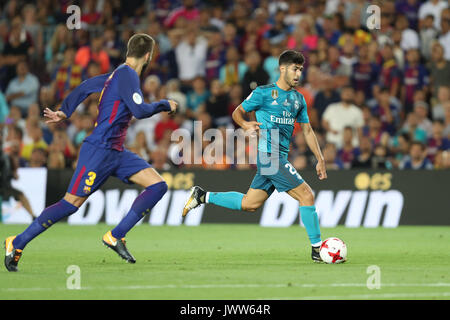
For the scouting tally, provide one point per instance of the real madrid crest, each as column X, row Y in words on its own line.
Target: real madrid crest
column 274, row 94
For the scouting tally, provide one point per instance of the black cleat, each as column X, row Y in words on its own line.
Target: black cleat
column 315, row 254
column 12, row 256
column 118, row 245
column 196, row 198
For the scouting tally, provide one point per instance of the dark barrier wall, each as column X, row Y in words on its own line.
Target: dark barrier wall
column 351, row 198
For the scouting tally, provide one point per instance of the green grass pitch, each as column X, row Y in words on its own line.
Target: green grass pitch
column 230, row 262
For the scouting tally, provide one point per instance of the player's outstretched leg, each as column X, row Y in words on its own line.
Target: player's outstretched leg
column 115, row 239
column 15, row 244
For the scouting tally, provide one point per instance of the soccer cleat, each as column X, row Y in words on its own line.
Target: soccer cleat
column 315, row 254
column 195, row 199
column 12, row 256
column 119, row 246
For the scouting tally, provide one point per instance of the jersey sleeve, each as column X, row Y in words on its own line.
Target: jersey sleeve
column 254, row 101
column 73, row 100
column 302, row 115
column 131, row 94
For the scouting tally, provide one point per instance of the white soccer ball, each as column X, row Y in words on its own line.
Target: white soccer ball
column 333, row 250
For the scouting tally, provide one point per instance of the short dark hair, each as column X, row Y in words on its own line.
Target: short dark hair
column 291, row 57
column 139, row 45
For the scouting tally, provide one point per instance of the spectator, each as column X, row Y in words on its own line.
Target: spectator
column 342, row 114
column 447, row 119
column 38, row 158
column 421, row 110
column 56, row 160
column 417, row 158
column 255, row 74
column 36, row 140
column 4, row 109
column 400, row 149
column 271, row 63
column 443, row 95
column 23, row 90
column 390, row 75
column 326, row 96
column 233, row 71
column 188, row 11
column 93, row 53
column 114, row 47
column 411, row 126
column 68, row 75
column 197, row 97
column 409, row 37
column 140, row 146
column 348, row 153
column 386, row 112
column 191, row 56
column 410, row 9
column 59, row 42
column 166, row 123
column 444, row 38
column 415, row 78
column 330, row 157
column 433, row 7
column 18, row 45
column 279, row 30
column 428, row 34
column 364, row 159
column 168, row 60
column 437, row 141
column 365, row 73
column 215, row 56
column 440, row 68
column 217, row 105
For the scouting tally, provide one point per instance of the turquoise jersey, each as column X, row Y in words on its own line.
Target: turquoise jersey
column 277, row 110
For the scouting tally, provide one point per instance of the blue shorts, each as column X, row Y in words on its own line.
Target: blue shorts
column 275, row 173
column 95, row 165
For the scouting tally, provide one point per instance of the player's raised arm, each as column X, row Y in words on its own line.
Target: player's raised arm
column 131, row 94
column 73, row 100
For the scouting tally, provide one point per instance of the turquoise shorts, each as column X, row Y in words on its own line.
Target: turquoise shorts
column 275, row 173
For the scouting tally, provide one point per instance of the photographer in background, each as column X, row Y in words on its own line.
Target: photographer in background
column 8, row 171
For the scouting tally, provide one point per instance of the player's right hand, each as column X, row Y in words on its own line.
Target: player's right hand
column 251, row 126
column 173, row 106
column 54, row 116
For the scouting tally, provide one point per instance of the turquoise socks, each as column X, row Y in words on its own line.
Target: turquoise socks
column 310, row 220
column 231, row 200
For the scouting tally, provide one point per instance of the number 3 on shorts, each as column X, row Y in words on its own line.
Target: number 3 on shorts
column 92, row 175
column 292, row 170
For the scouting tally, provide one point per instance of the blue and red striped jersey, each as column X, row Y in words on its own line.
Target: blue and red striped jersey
column 121, row 99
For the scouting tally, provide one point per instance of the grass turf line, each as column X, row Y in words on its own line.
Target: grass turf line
column 230, row 262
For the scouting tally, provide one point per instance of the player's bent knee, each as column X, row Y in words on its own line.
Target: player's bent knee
column 307, row 199
column 250, row 206
column 74, row 200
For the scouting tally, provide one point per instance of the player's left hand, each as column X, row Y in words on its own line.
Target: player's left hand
column 54, row 116
column 173, row 106
column 321, row 170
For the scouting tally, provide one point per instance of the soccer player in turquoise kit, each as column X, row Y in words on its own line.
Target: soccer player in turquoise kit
column 277, row 107
column 103, row 154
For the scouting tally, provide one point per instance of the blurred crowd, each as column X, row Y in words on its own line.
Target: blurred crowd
column 376, row 98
